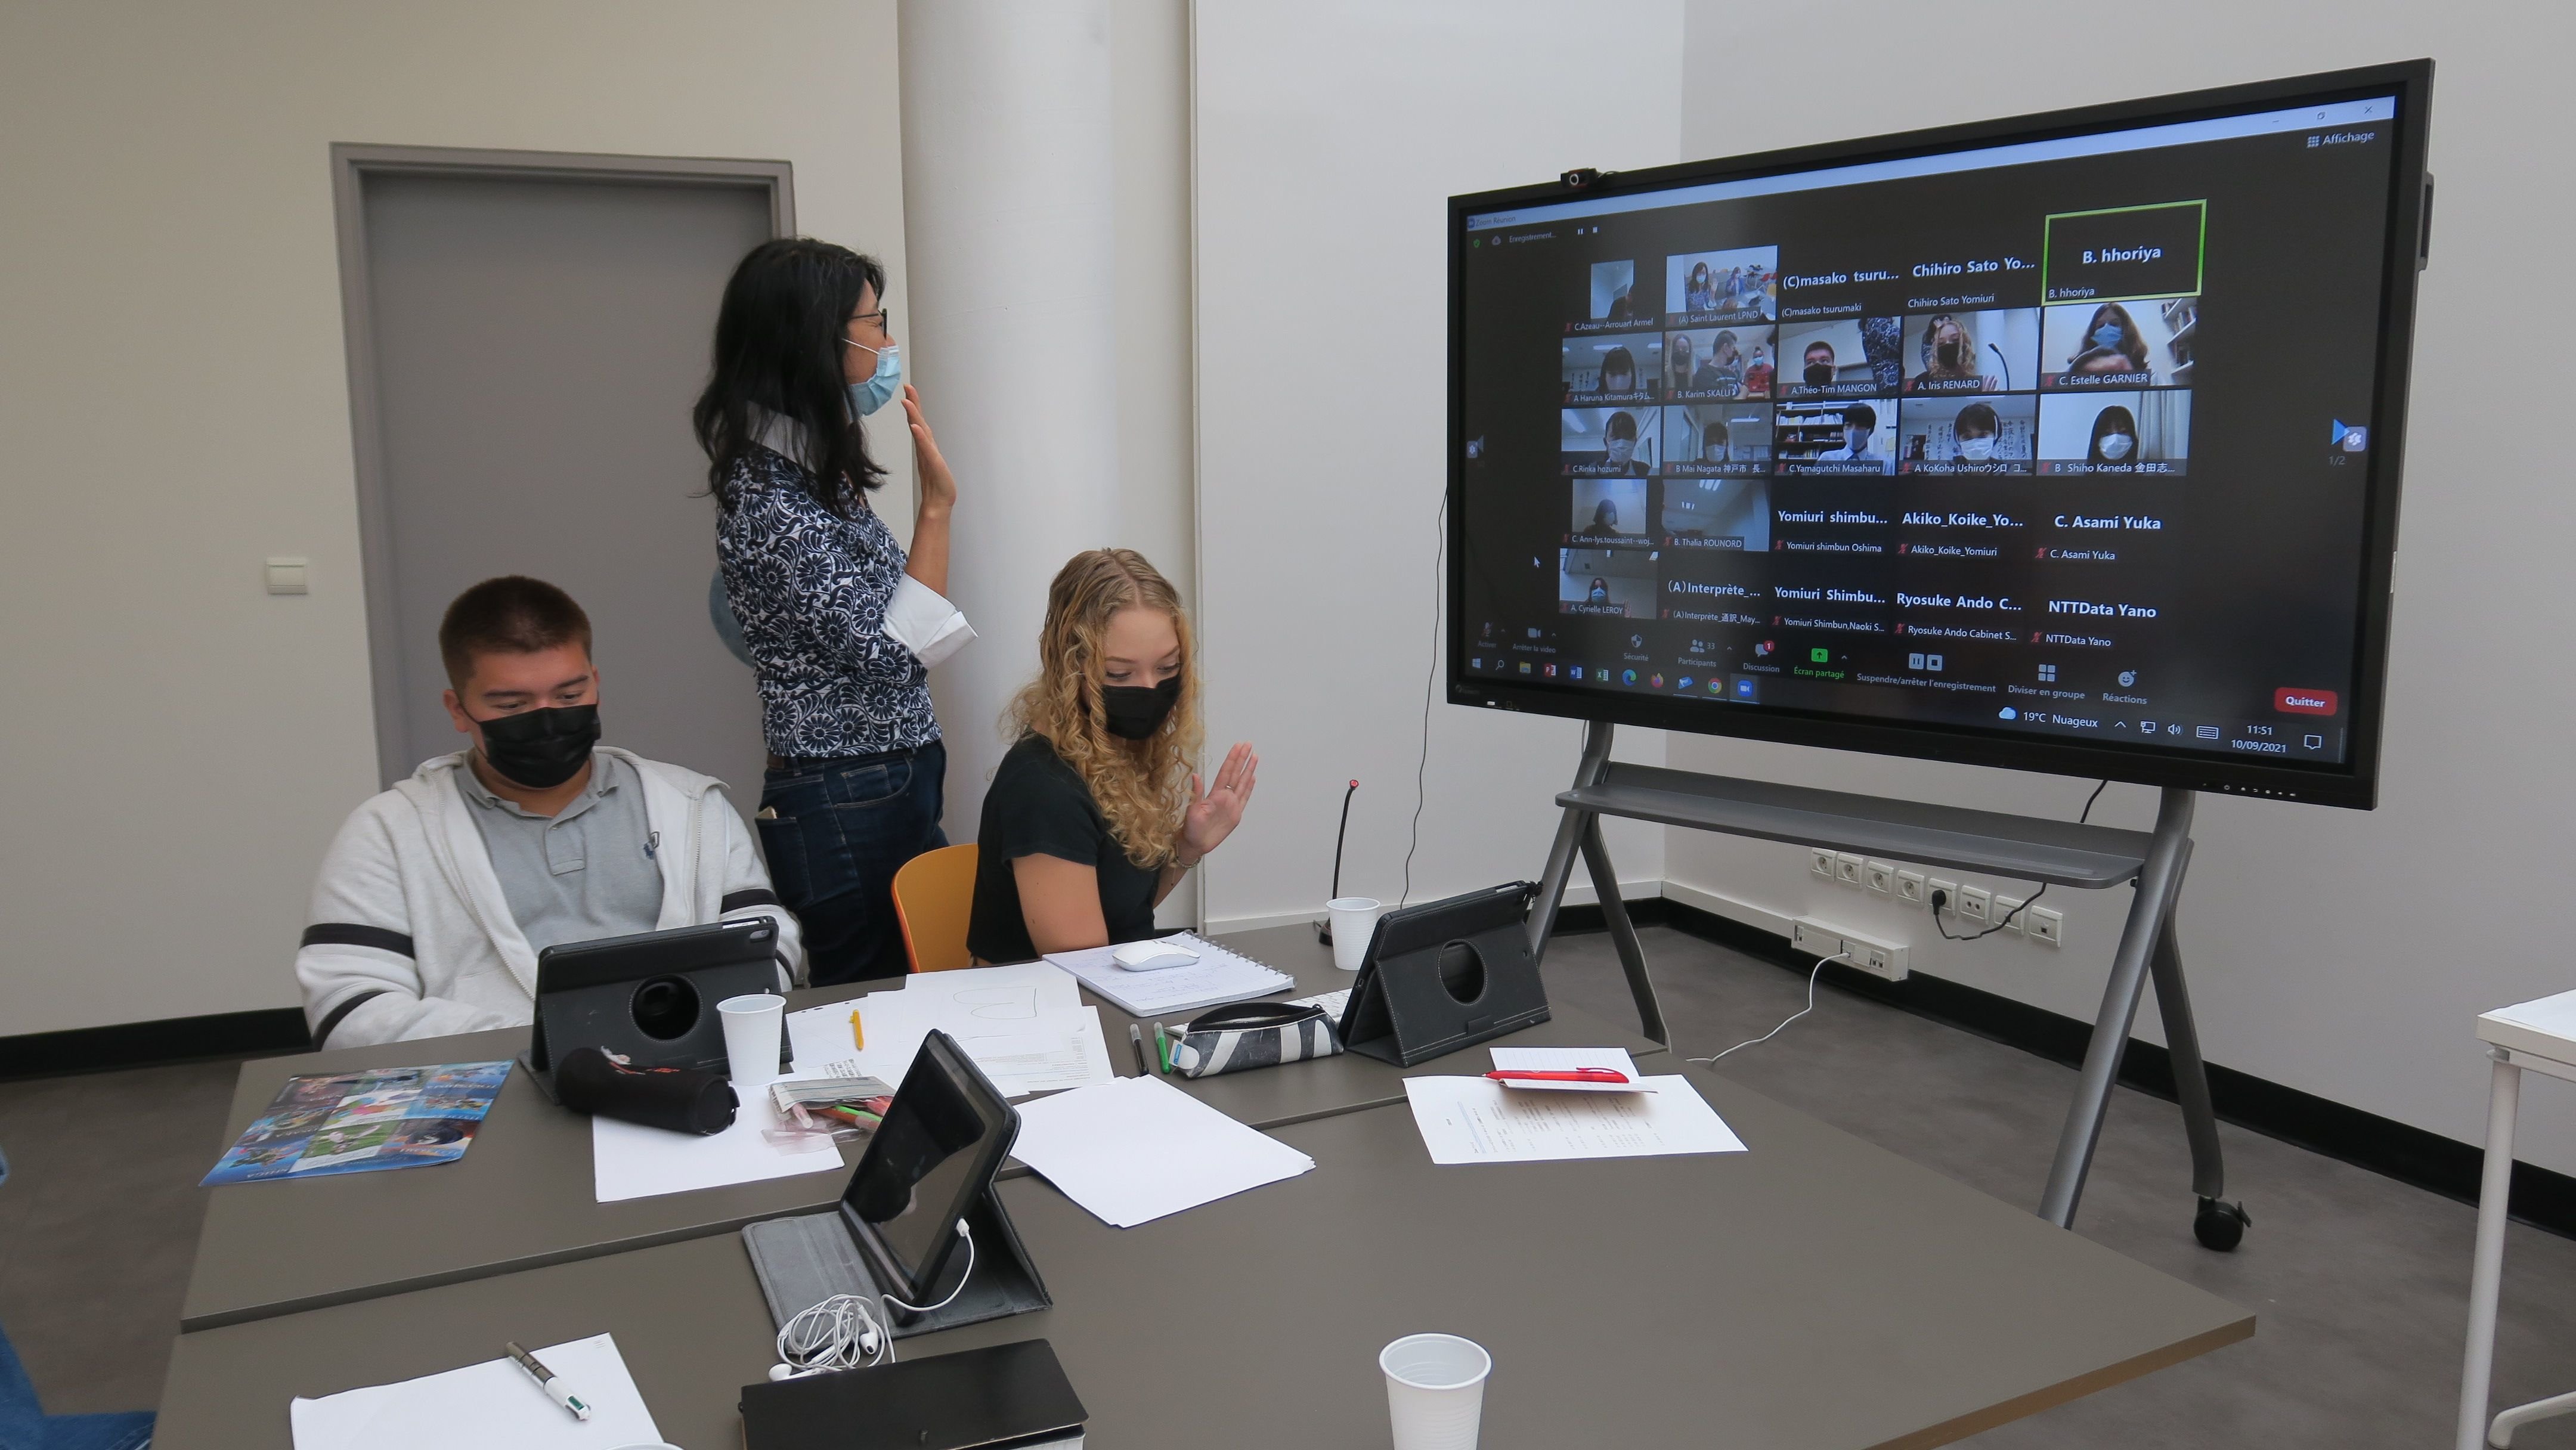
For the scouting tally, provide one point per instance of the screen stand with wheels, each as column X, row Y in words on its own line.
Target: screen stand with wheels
column 2022, row 847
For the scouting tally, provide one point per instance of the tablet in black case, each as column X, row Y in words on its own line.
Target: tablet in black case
column 1004, row 1397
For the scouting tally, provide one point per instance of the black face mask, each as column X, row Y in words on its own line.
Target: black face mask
column 1133, row 712
column 541, row 749
column 1819, row 374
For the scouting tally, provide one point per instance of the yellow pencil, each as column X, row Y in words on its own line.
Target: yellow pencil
column 858, row 1037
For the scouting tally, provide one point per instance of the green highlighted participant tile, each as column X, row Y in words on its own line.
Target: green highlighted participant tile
column 2122, row 253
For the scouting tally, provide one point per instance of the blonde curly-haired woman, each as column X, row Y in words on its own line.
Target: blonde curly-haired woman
column 1097, row 812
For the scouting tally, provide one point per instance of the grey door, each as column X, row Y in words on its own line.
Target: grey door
column 534, row 344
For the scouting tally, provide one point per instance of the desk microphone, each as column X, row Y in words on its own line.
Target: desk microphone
column 2007, row 362
column 1324, row 928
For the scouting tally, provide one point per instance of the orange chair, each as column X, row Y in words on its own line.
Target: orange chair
column 934, row 894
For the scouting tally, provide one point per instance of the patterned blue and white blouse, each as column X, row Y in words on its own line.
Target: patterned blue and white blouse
column 810, row 589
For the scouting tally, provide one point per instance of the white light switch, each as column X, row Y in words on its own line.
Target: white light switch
column 286, row 576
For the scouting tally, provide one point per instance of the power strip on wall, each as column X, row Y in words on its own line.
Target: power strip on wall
column 1880, row 959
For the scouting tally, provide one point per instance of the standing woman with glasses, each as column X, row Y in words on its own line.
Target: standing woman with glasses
column 841, row 623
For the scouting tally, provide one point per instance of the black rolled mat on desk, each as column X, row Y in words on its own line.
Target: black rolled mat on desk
column 682, row 1099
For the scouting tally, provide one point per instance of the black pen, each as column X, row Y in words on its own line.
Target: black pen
column 1136, row 1039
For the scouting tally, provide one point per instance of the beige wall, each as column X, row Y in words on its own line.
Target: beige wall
column 173, row 409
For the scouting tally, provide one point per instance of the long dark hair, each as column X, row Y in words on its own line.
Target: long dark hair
column 779, row 337
column 2113, row 419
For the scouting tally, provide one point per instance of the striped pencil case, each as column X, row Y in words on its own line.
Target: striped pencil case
column 1253, row 1034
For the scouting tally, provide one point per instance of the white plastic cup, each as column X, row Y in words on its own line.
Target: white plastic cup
column 1435, row 1388
column 1354, row 918
column 751, row 1028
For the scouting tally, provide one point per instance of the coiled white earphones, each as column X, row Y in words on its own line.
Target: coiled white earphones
column 837, row 1332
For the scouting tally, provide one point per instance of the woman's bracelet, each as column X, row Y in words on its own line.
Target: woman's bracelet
column 1190, row 862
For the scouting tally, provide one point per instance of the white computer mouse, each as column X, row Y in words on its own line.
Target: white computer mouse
column 1152, row 956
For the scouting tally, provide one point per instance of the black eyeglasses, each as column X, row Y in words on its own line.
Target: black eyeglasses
column 883, row 317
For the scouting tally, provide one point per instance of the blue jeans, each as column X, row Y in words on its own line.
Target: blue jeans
column 842, row 829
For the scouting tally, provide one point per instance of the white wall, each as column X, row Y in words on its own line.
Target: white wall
column 1149, row 75
column 2338, row 953
column 1329, row 137
column 174, row 408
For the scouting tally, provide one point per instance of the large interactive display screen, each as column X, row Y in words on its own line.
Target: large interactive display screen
column 2068, row 443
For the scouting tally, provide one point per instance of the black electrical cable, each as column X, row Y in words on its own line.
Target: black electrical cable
column 1430, row 680
column 1937, row 896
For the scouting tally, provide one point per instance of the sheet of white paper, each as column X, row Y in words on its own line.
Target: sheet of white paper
column 1218, row 976
column 629, row 1160
column 819, row 1037
column 1333, row 1003
column 1136, row 1149
column 1064, row 1050
column 1050, row 1049
column 1566, row 1059
column 1473, row 1120
column 998, row 995
column 492, row 1406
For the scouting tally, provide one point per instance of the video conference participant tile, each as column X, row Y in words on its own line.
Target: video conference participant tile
column 1734, row 286
column 1614, row 303
column 1608, row 511
column 1718, row 363
column 1711, row 589
column 1722, row 515
column 1616, row 582
column 1597, row 441
column 2143, row 343
column 1993, row 351
column 2115, row 433
column 1848, row 357
column 1945, row 435
column 1835, row 438
column 1613, row 368
column 1726, row 439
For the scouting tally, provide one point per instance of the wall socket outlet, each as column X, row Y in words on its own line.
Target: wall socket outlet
column 1847, row 868
column 2047, row 926
column 1820, row 861
column 1910, row 888
column 1947, row 890
column 1974, row 903
column 2008, row 913
column 1879, row 877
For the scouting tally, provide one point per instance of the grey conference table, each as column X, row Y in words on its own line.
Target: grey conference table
column 523, row 1196
column 1816, row 1291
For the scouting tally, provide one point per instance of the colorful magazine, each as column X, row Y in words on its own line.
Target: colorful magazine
column 358, row 1122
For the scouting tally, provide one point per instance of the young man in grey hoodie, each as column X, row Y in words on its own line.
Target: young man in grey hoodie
column 437, row 895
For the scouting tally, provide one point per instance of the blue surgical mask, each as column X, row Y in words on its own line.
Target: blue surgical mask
column 880, row 388
column 2107, row 335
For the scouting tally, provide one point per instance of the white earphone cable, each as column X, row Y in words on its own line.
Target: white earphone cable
column 1843, row 955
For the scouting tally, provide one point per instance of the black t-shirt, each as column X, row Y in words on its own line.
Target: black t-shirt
column 1038, row 806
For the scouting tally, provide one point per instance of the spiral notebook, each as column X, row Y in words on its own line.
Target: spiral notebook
column 1219, row 976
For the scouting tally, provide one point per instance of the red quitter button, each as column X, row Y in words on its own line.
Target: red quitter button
column 2304, row 702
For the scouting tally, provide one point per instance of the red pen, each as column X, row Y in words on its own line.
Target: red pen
column 1576, row 1074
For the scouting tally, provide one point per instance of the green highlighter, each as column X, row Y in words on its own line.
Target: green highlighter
column 1162, row 1051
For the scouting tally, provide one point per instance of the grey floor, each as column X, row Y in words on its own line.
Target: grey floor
column 2359, row 1283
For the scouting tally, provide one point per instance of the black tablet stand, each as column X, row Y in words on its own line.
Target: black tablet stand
column 1444, row 976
